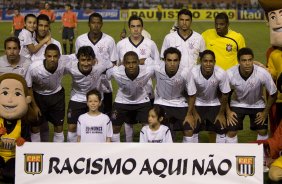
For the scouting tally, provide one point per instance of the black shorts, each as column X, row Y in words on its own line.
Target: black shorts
column 17, row 32
column 107, row 103
column 130, row 113
column 252, row 112
column 52, row 107
column 76, row 109
column 174, row 117
column 208, row 115
column 68, row 33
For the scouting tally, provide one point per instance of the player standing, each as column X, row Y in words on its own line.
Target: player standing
column 189, row 42
column 105, row 48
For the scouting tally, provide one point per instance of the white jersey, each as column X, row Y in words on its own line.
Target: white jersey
column 104, row 48
column 26, row 38
column 189, row 48
column 249, row 93
column 21, row 68
column 81, row 83
column 207, row 89
column 131, row 91
column 162, row 135
column 44, row 82
column 39, row 55
column 94, row 128
column 169, row 91
column 145, row 49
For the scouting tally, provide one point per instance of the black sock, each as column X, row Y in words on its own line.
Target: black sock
column 65, row 48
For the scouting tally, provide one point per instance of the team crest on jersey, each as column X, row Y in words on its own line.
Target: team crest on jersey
column 228, row 47
column 213, row 82
column 33, row 163
column 191, row 46
column 101, row 48
column 114, row 114
column 142, row 51
column 251, row 84
column 245, row 165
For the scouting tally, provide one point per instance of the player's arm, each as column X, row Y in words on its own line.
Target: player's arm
column 108, row 139
column 221, row 114
column 261, row 116
column 189, row 118
column 35, row 48
column 230, row 115
column 78, row 138
column 13, row 29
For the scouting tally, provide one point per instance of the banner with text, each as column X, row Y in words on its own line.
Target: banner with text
column 137, row 163
column 250, row 14
column 171, row 14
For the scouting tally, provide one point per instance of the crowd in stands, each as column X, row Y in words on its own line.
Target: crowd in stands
column 126, row 4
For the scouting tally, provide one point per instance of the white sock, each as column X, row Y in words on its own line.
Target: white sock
column 35, row 137
column 44, row 132
column 128, row 130
column 116, row 137
column 187, row 139
column 58, row 137
column 72, row 137
column 195, row 138
column 220, row 138
column 232, row 139
column 262, row 137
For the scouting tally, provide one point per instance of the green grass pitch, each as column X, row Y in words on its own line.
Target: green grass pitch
column 256, row 35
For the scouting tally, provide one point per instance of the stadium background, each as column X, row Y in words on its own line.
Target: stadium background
column 245, row 15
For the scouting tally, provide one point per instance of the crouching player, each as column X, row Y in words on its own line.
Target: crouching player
column 212, row 95
column 248, row 81
column 132, row 102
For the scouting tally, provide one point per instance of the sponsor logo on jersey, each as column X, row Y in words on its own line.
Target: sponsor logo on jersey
column 33, row 163
column 245, row 165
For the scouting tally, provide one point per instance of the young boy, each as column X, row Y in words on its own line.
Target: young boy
column 94, row 126
column 27, row 37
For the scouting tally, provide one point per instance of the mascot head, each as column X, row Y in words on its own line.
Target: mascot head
column 273, row 12
column 14, row 98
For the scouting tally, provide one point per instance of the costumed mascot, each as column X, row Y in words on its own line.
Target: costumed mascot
column 273, row 9
column 14, row 106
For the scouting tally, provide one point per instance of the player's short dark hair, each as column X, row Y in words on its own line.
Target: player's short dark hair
column 94, row 92
column 135, row 17
column 223, row 16
column 158, row 110
column 12, row 39
column 205, row 52
column 185, row 12
column 52, row 47
column 69, row 5
column 98, row 15
column 43, row 17
column 86, row 51
column 29, row 15
column 130, row 53
column 172, row 50
column 245, row 51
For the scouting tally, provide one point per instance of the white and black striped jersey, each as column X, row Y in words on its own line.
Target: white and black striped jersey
column 249, row 92
column 131, row 91
column 189, row 48
column 207, row 89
